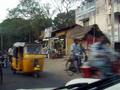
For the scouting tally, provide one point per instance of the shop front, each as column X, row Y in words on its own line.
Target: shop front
column 63, row 43
column 60, row 45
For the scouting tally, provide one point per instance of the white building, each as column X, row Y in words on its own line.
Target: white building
column 99, row 12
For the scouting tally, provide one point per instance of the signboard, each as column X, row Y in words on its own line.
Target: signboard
column 48, row 32
column 86, row 10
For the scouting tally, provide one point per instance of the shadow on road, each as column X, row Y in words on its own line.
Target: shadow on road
column 53, row 75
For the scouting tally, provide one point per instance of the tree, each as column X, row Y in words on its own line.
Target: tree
column 63, row 20
column 14, row 30
column 37, row 15
column 65, row 5
column 66, row 16
column 25, row 9
column 39, row 23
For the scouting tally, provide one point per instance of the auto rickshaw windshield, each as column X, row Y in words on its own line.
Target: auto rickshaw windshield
column 33, row 49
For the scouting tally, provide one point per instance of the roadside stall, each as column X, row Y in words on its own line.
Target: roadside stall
column 63, row 42
column 59, row 46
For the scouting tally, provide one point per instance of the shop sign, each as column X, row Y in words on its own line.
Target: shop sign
column 48, row 32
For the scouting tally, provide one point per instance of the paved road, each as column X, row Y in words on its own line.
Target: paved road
column 53, row 76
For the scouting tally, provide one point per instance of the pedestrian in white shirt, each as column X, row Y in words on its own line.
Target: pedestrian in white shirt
column 10, row 53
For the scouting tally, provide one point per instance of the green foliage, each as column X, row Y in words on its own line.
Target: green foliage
column 64, row 19
column 21, row 30
column 25, row 9
column 39, row 23
column 14, row 30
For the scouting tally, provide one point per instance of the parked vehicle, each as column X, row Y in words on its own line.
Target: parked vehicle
column 109, row 83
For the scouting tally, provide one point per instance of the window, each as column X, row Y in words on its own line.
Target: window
column 86, row 22
column 109, row 20
column 33, row 49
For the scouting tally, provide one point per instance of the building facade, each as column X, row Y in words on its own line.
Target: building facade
column 99, row 12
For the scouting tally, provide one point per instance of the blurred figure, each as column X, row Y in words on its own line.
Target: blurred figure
column 100, row 56
column 10, row 53
column 43, row 51
column 1, row 72
column 1, row 56
column 4, row 58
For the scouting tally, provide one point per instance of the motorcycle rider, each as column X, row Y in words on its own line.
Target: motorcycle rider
column 76, row 52
column 100, row 55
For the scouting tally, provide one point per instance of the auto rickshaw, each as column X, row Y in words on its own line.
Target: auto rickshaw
column 27, row 58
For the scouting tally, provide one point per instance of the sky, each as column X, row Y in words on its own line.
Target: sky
column 4, row 5
column 9, row 4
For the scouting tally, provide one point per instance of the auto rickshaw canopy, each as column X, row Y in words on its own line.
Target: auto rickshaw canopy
column 19, row 44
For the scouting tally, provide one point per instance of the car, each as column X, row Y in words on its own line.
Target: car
column 109, row 83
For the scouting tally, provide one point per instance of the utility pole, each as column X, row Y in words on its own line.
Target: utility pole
column 1, row 40
column 112, row 19
column 30, row 32
column 29, row 37
column 94, row 20
column 118, row 22
column 119, row 29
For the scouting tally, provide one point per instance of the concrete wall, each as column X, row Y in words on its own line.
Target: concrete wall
column 102, row 18
column 99, row 18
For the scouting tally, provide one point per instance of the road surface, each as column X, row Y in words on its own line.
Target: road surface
column 54, row 75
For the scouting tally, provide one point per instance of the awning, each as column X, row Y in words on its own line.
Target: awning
column 80, row 32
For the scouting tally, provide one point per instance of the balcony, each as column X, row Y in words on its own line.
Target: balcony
column 86, row 10
column 116, row 7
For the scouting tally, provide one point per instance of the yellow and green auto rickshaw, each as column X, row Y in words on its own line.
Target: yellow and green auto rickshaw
column 27, row 58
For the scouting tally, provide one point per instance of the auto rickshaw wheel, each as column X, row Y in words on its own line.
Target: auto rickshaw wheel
column 36, row 74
